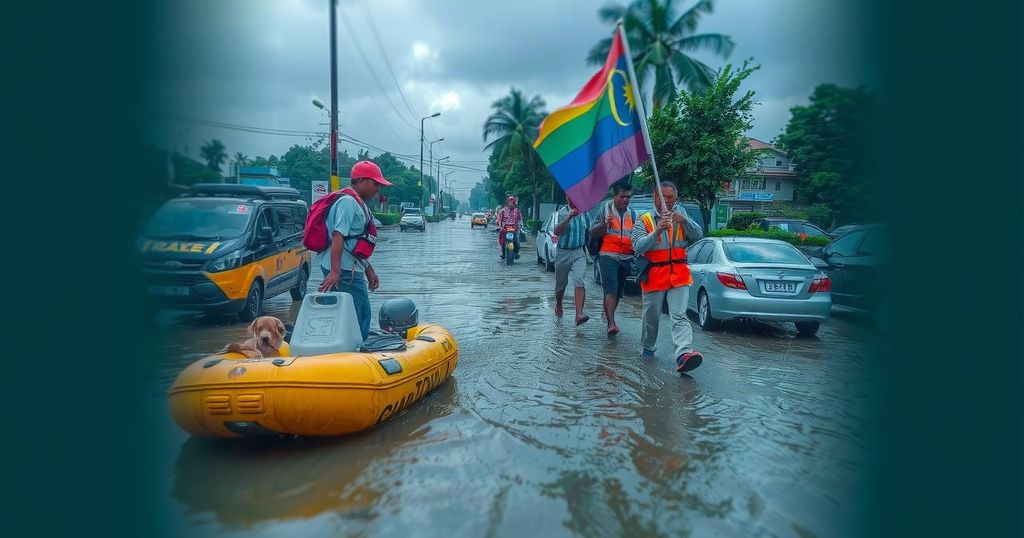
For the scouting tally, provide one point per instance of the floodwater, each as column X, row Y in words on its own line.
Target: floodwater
column 545, row 428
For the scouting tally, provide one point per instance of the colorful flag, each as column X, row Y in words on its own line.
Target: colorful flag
column 597, row 139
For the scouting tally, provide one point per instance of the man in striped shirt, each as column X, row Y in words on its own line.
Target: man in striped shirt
column 571, row 261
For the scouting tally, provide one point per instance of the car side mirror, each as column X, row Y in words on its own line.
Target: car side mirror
column 266, row 234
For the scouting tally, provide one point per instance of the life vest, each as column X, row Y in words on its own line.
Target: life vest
column 618, row 238
column 668, row 268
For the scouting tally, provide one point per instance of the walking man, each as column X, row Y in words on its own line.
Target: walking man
column 571, row 261
column 353, row 236
column 662, row 239
column 616, row 255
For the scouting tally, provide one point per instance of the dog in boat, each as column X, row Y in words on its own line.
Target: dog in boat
column 266, row 333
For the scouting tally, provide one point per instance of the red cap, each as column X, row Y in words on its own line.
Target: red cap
column 370, row 170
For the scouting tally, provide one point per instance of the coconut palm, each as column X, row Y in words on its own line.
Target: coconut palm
column 241, row 158
column 514, row 126
column 659, row 39
column 213, row 153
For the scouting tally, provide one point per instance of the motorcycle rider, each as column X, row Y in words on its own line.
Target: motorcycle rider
column 509, row 216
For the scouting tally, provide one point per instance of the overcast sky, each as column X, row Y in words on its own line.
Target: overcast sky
column 261, row 62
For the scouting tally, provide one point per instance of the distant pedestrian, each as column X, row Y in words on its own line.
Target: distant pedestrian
column 616, row 255
column 571, row 262
column 509, row 215
column 662, row 239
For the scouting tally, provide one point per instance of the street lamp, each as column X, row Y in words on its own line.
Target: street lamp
column 423, row 119
column 439, row 161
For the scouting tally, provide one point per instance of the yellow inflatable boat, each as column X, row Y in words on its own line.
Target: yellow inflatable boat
column 319, row 395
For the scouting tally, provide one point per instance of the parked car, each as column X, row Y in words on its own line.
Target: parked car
column 797, row 226
column 478, row 219
column 765, row 279
column 547, row 242
column 857, row 263
column 226, row 248
column 840, row 231
column 412, row 217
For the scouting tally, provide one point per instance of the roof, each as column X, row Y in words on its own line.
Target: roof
column 754, row 143
column 234, row 190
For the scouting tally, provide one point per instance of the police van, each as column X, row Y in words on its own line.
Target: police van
column 225, row 248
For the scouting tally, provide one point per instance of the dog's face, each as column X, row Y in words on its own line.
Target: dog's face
column 268, row 331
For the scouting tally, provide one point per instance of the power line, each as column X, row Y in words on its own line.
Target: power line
column 373, row 74
column 344, row 137
column 387, row 61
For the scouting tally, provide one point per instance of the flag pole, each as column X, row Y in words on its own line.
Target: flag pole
column 640, row 107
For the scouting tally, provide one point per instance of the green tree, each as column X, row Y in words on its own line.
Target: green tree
column 514, row 126
column 828, row 142
column 480, row 196
column 241, row 158
column 659, row 39
column 698, row 138
column 213, row 153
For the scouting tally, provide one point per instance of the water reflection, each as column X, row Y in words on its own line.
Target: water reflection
column 550, row 429
column 243, row 482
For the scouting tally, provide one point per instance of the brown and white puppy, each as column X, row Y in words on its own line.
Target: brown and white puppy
column 266, row 335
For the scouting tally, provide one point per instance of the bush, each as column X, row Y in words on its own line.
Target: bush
column 743, row 220
column 791, row 238
column 388, row 218
column 434, row 218
column 533, row 225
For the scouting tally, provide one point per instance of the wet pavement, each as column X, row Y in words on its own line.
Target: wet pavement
column 545, row 429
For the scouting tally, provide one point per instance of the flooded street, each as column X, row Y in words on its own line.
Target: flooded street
column 545, row 428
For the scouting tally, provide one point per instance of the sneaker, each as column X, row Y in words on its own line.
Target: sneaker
column 688, row 361
column 647, row 354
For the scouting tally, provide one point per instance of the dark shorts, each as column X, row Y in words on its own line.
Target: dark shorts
column 613, row 274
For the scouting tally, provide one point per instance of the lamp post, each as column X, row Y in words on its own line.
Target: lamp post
column 430, row 158
column 423, row 119
column 439, row 161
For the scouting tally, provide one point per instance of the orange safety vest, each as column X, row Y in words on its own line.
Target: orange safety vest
column 618, row 238
column 668, row 259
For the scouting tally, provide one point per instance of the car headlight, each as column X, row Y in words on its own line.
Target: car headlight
column 226, row 263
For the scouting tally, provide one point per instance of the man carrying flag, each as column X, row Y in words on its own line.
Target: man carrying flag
column 601, row 136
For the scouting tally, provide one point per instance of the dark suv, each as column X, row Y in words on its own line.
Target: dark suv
column 857, row 263
column 225, row 248
column 796, row 226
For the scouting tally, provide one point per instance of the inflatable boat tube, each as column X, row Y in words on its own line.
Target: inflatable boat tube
column 321, row 395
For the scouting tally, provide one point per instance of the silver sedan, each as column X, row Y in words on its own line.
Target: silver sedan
column 547, row 242
column 766, row 279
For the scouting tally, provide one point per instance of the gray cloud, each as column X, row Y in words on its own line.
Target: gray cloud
column 261, row 62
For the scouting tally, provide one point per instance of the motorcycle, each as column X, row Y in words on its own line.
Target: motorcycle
column 509, row 241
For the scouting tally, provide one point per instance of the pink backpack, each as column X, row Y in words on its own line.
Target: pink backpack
column 315, row 236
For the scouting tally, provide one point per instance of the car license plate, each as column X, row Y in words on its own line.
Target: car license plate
column 787, row 287
column 169, row 290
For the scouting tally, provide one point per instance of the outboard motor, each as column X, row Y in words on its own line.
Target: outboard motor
column 398, row 316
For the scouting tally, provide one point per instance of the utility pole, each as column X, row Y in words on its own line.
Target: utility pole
column 423, row 119
column 335, row 184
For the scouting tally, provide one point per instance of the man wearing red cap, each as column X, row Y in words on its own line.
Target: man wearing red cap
column 353, row 236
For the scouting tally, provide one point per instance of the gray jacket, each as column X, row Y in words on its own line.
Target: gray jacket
column 642, row 241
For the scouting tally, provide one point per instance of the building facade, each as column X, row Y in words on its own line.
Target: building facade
column 771, row 180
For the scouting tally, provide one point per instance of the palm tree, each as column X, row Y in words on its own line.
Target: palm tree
column 659, row 40
column 241, row 158
column 213, row 153
column 514, row 125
